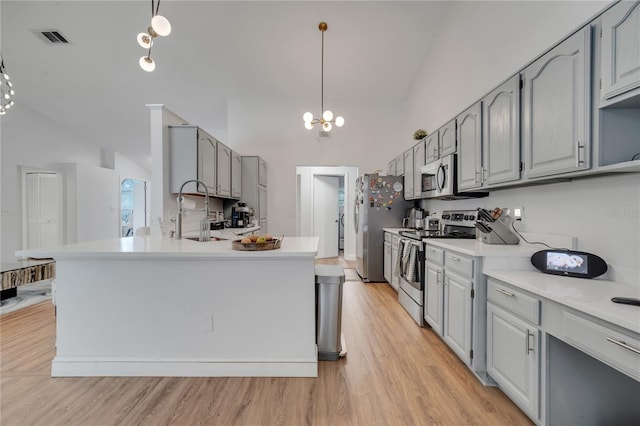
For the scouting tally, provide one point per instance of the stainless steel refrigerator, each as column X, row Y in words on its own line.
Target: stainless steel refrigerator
column 379, row 203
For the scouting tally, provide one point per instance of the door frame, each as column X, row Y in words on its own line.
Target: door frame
column 305, row 176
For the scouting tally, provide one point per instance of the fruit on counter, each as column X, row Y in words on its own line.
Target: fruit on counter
column 261, row 240
column 253, row 238
column 246, row 240
column 268, row 237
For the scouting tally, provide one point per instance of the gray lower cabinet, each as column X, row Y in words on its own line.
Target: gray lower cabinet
column 556, row 108
column 469, row 135
column 620, row 63
column 434, row 288
column 192, row 155
column 501, row 134
column 408, row 174
column 387, row 257
column 513, row 345
column 395, row 277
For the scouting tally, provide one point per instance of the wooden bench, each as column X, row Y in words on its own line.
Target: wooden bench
column 21, row 272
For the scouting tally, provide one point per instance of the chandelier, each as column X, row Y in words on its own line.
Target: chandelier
column 160, row 26
column 6, row 89
column 326, row 119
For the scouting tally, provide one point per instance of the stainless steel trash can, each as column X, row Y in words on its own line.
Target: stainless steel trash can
column 329, row 281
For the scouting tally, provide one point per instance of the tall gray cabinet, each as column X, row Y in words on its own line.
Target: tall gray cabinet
column 254, row 187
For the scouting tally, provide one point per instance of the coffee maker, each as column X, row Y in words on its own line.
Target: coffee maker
column 240, row 216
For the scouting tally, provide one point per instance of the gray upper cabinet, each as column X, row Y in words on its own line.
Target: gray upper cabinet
column 391, row 168
column 400, row 165
column 501, row 133
column 236, row 175
column 418, row 162
column 447, row 138
column 556, row 112
column 620, row 65
column 262, row 172
column 192, row 155
column 431, row 147
column 408, row 174
column 223, row 181
column 470, row 147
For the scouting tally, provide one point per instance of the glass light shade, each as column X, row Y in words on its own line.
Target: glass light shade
column 147, row 64
column 12, row 92
column 6, row 77
column 11, row 103
column 327, row 115
column 161, row 25
column 145, row 40
column 307, row 117
column 326, row 126
column 9, row 84
column 7, row 96
column 308, row 125
column 339, row 121
column 2, row 111
column 7, row 106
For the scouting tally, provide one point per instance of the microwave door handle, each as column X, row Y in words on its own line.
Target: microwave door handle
column 439, row 173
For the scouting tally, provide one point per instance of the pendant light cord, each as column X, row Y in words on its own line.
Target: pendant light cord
column 321, row 77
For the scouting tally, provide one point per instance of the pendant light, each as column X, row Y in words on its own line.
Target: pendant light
column 160, row 26
column 327, row 120
column 6, row 89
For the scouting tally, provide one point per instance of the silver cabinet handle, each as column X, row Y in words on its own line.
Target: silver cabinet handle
column 477, row 175
column 579, row 161
column 624, row 345
column 499, row 290
column 457, row 259
column 528, row 348
column 438, row 277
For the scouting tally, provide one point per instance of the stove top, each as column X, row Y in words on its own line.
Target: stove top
column 420, row 234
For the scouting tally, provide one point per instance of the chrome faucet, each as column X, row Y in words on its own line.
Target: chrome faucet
column 204, row 236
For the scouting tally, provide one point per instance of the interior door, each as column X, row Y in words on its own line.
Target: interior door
column 43, row 210
column 326, row 214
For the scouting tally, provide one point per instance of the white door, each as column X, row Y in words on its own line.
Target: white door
column 325, row 214
column 43, row 207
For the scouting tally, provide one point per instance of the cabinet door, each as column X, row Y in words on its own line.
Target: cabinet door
column 223, row 184
column 262, row 172
column 207, row 163
column 263, row 226
column 457, row 315
column 431, row 147
column 448, row 138
column 408, row 174
column 387, row 261
column 433, row 297
column 418, row 162
column 391, row 168
column 394, row 263
column 400, row 165
column 469, row 135
column 620, row 65
column 513, row 357
column 236, row 175
column 262, row 202
column 501, row 133
column 556, row 113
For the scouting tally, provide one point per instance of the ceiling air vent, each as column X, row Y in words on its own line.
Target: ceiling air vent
column 53, row 36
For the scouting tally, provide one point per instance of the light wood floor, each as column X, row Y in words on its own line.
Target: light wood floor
column 395, row 373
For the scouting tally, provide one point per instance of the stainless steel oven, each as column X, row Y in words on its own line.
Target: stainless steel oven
column 411, row 274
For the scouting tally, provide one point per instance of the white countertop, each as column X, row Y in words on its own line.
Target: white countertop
column 147, row 247
column 478, row 248
column 20, row 264
column 591, row 296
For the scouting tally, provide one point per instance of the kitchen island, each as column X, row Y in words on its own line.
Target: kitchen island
column 144, row 306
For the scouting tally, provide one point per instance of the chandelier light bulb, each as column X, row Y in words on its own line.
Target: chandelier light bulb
column 308, row 125
column 7, row 106
column 12, row 92
column 307, row 117
column 6, row 77
column 161, row 25
column 147, row 64
column 7, row 96
column 2, row 111
column 326, row 126
column 10, row 84
column 339, row 121
column 327, row 115
column 144, row 40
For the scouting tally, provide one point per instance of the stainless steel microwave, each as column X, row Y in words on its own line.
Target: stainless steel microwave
column 439, row 180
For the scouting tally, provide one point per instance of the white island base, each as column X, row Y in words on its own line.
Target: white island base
column 142, row 307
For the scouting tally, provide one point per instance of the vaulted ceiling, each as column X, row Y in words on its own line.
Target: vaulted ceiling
column 217, row 51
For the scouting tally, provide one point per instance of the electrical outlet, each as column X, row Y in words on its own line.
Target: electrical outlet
column 7, row 212
column 518, row 213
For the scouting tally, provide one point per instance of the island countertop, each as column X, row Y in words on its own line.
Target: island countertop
column 147, row 247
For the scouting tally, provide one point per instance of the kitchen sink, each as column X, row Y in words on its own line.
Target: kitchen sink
column 198, row 239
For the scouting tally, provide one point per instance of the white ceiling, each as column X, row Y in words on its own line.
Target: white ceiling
column 217, row 51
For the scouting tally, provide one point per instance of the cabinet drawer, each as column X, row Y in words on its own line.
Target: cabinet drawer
column 434, row 255
column 388, row 237
column 616, row 349
column 513, row 300
column 454, row 262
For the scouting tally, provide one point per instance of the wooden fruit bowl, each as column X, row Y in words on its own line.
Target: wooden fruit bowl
column 269, row 245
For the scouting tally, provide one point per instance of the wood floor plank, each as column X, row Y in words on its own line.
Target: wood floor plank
column 395, row 373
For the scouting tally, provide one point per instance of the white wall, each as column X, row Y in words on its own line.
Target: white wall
column 486, row 44
column 275, row 131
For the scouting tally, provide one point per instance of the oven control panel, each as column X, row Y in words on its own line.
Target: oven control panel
column 459, row 217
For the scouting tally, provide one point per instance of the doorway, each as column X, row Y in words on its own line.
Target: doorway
column 133, row 206
column 311, row 181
